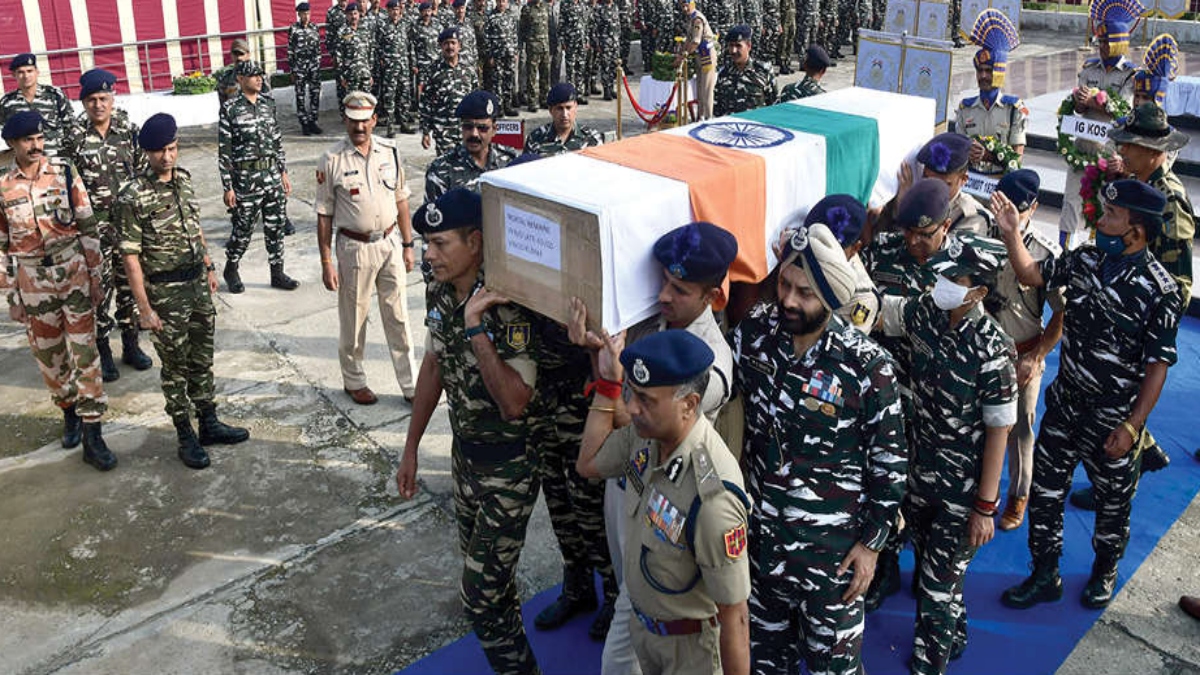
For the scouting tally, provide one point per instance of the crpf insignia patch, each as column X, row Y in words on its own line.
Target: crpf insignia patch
column 735, row 542
column 859, row 314
column 640, row 460
column 518, row 335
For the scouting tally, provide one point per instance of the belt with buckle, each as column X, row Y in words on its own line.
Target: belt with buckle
column 176, row 275
column 366, row 237
column 677, row 627
column 52, row 258
column 254, row 164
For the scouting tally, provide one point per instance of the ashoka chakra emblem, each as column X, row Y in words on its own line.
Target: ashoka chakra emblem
column 741, row 135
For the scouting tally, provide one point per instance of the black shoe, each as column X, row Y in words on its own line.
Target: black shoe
column 837, row 54
column 531, row 108
column 95, row 450
column 886, row 581
column 306, row 129
column 215, row 432
column 282, row 281
column 233, row 280
column 598, row 631
column 408, row 128
column 131, row 353
column 191, row 453
column 511, row 112
column 593, row 89
column 288, row 228
column 786, row 69
column 608, row 96
column 108, row 369
column 1154, row 459
column 318, row 131
column 1100, row 586
column 582, row 100
column 578, row 596
column 958, row 42
column 1084, row 498
column 1044, row 585
column 72, row 428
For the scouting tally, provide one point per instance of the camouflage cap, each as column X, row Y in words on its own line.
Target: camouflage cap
column 666, row 358
column 1147, row 126
column 969, row 255
column 249, row 69
column 239, row 46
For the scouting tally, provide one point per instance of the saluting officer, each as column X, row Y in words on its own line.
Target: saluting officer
column 945, row 157
column 47, row 99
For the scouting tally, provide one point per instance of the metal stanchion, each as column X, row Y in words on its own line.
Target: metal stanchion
column 620, row 95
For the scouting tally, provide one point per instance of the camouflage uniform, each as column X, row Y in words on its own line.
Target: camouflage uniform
column 457, row 169
column 826, row 12
column 825, row 453
column 1173, row 246
column 50, row 260
column 444, row 16
column 802, row 89
column 745, row 88
column 106, row 164
column 848, row 21
column 159, row 222
column 354, row 59
column 494, row 468
column 500, row 47
column 335, row 21
column 897, row 273
column 395, row 88
column 625, row 18
column 721, row 14
column 304, row 57
column 808, row 20
column 369, row 24
column 768, row 37
column 535, row 34
column 963, row 382
column 544, row 141
column 251, row 162
column 653, row 15
column 606, row 29
column 423, row 41
column 576, row 15
column 478, row 22
column 468, row 49
column 444, row 90
column 750, row 13
column 787, row 36
column 52, row 104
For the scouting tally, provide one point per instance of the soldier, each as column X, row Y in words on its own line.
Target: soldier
column 816, row 62
column 700, row 40
column 848, row 22
column 354, row 53
column 688, row 585
column 555, row 44
column 102, row 145
column 606, row 27
column 945, row 157
column 535, row 34
column 304, row 58
column 500, row 46
column 46, row 99
column 335, row 18
column 743, row 83
column 173, row 279
column 576, row 16
column 444, row 90
column 1122, row 315
column 991, row 113
column 652, row 16
column 478, row 20
column 965, row 394
column 226, row 76
column 423, row 41
column 787, row 37
column 796, row 358
column 395, row 93
column 462, row 166
column 561, row 134
column 372, row 15
column 625, row 17
column 468, row 48
column 771, row 30
column 750, row 14
column 827, row 26
column 50, row 267
column 444, row 16
column 254, row 175
column 483, row 354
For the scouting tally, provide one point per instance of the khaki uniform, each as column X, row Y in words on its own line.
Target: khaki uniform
column 1005, row 120
column 863, row 309
column 685, row 546
column 966, row 215
column 701, row 38
column 360, row 193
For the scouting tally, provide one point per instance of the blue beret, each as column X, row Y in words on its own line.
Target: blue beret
column 158, row 132
column 967, row 254
column 816, row 57
column 96, row 80
column 459, row 3
column 1133, row 195
column 1021, row 187
column 739, row 33
column 424, row 6
column 561, row 93
column 302, row 7
column 699, row 252
column 925, row 204
column 449, row 33
column 843, row 214
column 524, row 158
column 456, row 209
column 20, row 60
column 392, row 4
column 666, row 358
column 946, row 153
column 478, row 105
column 248, row 68
column 22, row 124
column 351, row 7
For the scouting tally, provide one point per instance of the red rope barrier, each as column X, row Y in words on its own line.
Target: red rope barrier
column 655, row 116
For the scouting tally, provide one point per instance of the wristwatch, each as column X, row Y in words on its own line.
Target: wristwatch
column 408, row 244
column 210, row 267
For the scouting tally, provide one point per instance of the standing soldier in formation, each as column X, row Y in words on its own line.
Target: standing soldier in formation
column 991, row 113
column 254, row 176
column 226, row 76
column 651, row 14
column 561, row 134
column 103, row 147
column 625, row 14
column 354, row 53
column 444, row 16
column 823, row 417
column 50, row 268
column 450, row 82
column 606, row 27
column 700, row 40
column 173, row 278
column 395, row 95
column 468, row 48
column 535, row 35
column 768, row 47
column 370, row 16
column 787, row 36
column 335, row 18
column 484, row 354
column 423, row 41
column 576, row 15
column 476, row 155
column 501, row 50
column 816, row 62
column 555, row 44
column 808, row 23
column 827, row 26
column 847, row 24
column 477, row 17
column 304, row 58
column 743, row 83
column 46, row 99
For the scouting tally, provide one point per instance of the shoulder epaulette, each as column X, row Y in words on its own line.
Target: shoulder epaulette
column 969, row 101
column 1166, row 282
column 1009, row 99
column 1092, row 61
column 1045, row 242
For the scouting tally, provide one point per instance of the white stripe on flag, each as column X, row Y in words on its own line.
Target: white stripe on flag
column 37, row 37
column 128, row 24
column 212, row 26
column 83, row 34
column 171, row 30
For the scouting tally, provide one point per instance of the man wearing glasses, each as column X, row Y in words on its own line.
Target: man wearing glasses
column 462, row 166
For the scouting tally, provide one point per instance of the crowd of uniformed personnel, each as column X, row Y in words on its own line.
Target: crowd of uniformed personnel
column 768, row 450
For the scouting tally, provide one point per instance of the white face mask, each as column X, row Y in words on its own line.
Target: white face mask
column 948, row 295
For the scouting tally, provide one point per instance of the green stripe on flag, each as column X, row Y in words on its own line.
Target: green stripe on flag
column 851, row 144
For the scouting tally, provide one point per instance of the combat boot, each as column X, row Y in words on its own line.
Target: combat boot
column 132, row 354
column 288, row 227
column 578, row 596
column 282, row 281
column 108, row 369
column 886, row 581
column 608, row 94
column 598, row 631
column 191, row 453
column 306, row 129
column 1044, row 585
column 95, row 450
column 316, row 129
column 1100, row 586
column 407, row 126
column 1084, row 499
column 582, row 100
column 233, row 280
column 1154, row 459
column 593, row 89
column 215, row 432
column 72, row 428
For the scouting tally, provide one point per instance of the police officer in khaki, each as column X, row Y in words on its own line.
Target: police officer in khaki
column 688, row 574
column 362, row 196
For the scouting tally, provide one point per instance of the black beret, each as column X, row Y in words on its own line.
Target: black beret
column 96, row 80
column 459, row 3
column 425, row 5
column 157, row 132
column 524, row 158
column 699, row 252
column 1135, row 196
column 740, row 33
column 561, row 93
column 449, row 33
column 351, row 7
column 666, row 358
column 946, row 153
column 302, row 7
column 843, row 214
column 248, row 68
column 456, row 209
column 21, row 60
column 22, row 124
column 392, row 4
column 816, row 57
column 925, row 204
column 1021, row 187
column 478, row 105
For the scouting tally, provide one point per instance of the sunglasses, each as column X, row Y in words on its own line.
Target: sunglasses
column 481, row 128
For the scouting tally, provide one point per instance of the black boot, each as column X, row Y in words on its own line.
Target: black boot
column 1044, row 585
column 886, row 581
column 215, row 432
column 306, row 128
column 1084, row 498
column 598, row 631
column 1100, row 586
column 288, row 228
column 95, row 450
column 131, row 353
column 1154, row 459
column 578, row 596
column 108, row 369
column 72, row 428
column 316, row 129
column 582, row 100
column 233, row 280
column 282, row 281
column 191, row 453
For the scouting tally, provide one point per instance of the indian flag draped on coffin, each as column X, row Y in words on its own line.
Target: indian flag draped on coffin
column 584, row 224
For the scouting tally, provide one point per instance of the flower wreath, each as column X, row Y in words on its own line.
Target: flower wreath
column 1078, row 160
column 1005, row 155
column 1091, row 186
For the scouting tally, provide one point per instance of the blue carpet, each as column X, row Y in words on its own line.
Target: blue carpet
column 1002, row 641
